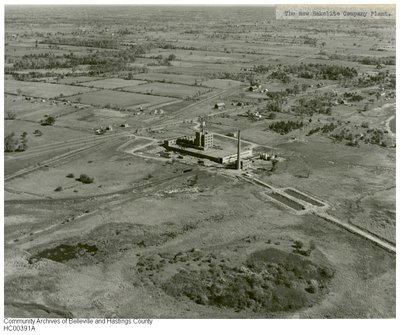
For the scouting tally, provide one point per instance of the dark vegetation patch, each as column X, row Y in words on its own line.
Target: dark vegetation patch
column 321, row 104
column 327, row 128
column 284, row 127
column 85, row 179
column 108, row 241
column 270, row 280
column 115, row 238
column 65, row 252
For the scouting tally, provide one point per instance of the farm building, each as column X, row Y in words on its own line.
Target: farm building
column 219, row 105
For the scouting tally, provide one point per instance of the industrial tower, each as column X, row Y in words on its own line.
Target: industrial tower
column 238, row 151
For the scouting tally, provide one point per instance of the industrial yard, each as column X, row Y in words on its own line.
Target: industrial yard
column 207, row 162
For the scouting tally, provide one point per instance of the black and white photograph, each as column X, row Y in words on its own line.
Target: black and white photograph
column 198, row 161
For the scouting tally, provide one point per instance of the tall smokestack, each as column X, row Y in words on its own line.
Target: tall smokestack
column 238, row 151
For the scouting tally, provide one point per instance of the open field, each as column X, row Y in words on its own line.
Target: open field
column 221, row 83
column 168, row 90
column 169, row 78
column 76, row 80
column 120, row 99
column 42, row 90
column 100, row 215
column 112, row 83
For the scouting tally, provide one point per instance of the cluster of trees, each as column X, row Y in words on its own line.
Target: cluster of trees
column 99, row 62
column 317, row 105
column 85, row 42
column 239, row 76
column 310, row 40
column 270, row 280
column 376, row 136
column 279, row 96
column 296, row 89
column 274, row 106
column 284, row 127
column 298, row 248
column 380, row 78
column 31, row 76
column 367, row 60
column 280, row 75
column 327, row 128
column 133, row 71
column 46, row 61
column 10, row 115
column 85, row 179
column 167, row 45
column 353, row 97
column 378, row 61
column 165, row 61
column 372, row 136
column 262, row 68
column 49, row 121
column 322, row 71
column 308, row 71
column 346, row 135
column 13, row 142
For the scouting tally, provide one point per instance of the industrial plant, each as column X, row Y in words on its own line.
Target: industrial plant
column 202, row 146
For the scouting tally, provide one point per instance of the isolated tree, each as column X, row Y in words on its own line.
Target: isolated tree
column 85, row 179
column 171, row 57
column 10, row 115
column 10, row 142
column 298, row 244
column 37, row 132
column 23, row 143
column 48, row 122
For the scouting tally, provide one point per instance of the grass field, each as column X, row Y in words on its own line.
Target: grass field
column 168, row 90
column 111, row 83
column 169, row 78
column 42, row 90
column 76, row 80
column 121, row 99
column 200, row 56
column 221, row 83
column 50, row 134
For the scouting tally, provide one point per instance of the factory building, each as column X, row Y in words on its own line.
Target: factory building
column 204, row 140
column 201, row 141
column 201, row 146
